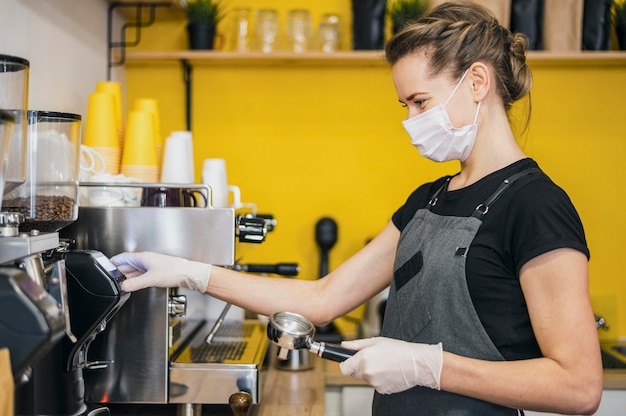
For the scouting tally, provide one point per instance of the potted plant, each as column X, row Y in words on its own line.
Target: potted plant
column 403, row 12
column 203, row 17
column 618, row 16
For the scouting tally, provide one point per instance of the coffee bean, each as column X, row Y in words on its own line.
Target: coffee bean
column 50, row 213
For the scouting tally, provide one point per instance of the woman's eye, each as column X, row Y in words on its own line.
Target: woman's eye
column 419, row 103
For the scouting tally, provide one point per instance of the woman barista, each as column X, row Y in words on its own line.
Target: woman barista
column 489, row 309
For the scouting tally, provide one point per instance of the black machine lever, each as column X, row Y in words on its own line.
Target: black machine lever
column 283, row 269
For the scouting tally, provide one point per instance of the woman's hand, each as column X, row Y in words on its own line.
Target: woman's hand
column 149, row 269
column 392, row 366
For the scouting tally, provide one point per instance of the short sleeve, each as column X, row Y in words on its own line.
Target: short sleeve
column 542, row 218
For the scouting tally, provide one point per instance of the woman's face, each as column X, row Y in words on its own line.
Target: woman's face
column 419, row 91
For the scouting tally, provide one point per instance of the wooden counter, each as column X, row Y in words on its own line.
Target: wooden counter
column 287, row 392
column 299, row 393
column 614, row 380
column 302, row 393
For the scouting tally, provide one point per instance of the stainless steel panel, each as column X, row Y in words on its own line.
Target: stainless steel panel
column 136, row 345
column 23, row 245
column 201, row 234
column 213, row 383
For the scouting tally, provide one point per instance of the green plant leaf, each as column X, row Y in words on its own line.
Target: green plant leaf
column 204, row 11
column 403, row 12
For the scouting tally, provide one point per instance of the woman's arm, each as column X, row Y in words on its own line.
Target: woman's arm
column 362, row 276
column 568, row 379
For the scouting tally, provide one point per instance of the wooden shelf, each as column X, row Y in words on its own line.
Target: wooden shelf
column 349, row 58
column 219, row 58
column 171, row 9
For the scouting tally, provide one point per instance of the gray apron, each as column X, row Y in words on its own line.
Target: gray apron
column 429, row 302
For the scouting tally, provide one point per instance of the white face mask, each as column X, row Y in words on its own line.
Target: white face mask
column 436, row 138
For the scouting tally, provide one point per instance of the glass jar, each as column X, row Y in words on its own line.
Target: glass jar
column 267, row 30
column 48, row 197
column 14, row 99
column 298, row 30
column 7, row 122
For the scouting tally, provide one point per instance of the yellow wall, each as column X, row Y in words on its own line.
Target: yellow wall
column 304, row 142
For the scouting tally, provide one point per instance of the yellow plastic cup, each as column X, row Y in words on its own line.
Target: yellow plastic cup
column 152, row 106
column 115, row 88
column 100, row 124
column 139, row 143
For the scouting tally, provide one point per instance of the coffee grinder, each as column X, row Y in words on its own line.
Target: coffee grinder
column 44, row 285
column 32, row 320
column 89, row 285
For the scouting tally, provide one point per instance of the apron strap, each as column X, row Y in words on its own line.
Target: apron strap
column 435, row 197
column 483, row 208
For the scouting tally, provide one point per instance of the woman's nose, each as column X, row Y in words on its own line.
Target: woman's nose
column 411, row 113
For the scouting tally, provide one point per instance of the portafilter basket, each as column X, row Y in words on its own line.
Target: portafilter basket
column 291, row 331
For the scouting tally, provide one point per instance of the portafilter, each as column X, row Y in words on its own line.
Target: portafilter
column 291, row 331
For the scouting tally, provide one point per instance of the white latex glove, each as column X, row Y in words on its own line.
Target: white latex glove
column 148, row 269
column 392, row 366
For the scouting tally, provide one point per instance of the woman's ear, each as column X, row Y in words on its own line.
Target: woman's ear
column 480, row 76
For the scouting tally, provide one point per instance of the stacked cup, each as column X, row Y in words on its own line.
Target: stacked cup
column 115, row 88
column 101, row 130
column 151, row 105
column 178, row 164
column 214, row 175
column 139, row 158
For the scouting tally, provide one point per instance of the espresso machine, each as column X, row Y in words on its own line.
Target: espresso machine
column 175, row 348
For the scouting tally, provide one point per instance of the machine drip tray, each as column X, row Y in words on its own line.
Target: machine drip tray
column 209, row 373
column 235, row 342
column 219, row 351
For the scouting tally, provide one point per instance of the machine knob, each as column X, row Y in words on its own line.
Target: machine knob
column 251, row 229
column 177, row 306
column 270, row 221
column 10, row 223
column 240, row 403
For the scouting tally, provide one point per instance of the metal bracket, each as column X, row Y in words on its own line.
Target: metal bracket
column 137, row 24
column 187, row 79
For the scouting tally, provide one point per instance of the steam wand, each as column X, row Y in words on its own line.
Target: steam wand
column 284, row 269
column 218, row 324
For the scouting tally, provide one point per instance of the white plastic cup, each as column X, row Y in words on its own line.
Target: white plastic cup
column 178, row 166
column 214, row 175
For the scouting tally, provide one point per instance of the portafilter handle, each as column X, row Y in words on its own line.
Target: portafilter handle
column 331, row 352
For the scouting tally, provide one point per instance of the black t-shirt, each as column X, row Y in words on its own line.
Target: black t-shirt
column 533, row 216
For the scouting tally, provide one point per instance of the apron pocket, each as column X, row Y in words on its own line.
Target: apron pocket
column 409, row 269
column 415, row 314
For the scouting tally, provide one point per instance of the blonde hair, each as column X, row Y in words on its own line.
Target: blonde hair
column 455, row 35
